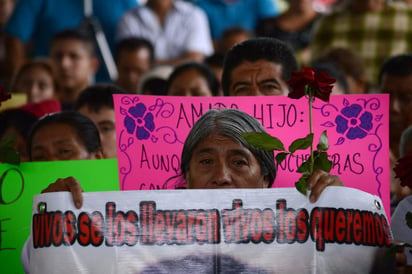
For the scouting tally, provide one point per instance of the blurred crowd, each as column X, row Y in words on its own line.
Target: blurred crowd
column 73, row 55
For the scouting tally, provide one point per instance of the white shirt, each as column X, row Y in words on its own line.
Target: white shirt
column 185, row 29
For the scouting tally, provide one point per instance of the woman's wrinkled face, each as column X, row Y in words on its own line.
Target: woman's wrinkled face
column 58, row 142
column 220, row 162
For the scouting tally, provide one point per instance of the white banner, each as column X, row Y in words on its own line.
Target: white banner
column 208, row 231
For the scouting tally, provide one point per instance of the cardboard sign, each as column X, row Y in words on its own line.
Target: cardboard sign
column 208, row 231
column 151, row 132
column 19, row 184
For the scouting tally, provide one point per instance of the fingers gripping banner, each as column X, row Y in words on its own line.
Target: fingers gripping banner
column 208, row 231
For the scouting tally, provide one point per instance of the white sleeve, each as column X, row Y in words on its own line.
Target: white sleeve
column 25, row 255
column 198, row 36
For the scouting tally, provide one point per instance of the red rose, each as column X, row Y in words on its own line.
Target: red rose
column 403, row 170
column 4, row 95
column 319, row 84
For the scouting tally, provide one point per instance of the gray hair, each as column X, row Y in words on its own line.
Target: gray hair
column 230, row 123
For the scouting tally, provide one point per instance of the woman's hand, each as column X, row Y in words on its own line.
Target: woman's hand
column 319, row 181
column 68, row 184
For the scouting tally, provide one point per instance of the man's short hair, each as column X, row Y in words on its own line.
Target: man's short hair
column 397, row 65
column 135, row 43
column 97, row 96
column 76, row 34
column 262, row 48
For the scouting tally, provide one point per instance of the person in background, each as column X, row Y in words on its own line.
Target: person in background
column 192, row 79
column 16, row 124
column 66, row 135
column 293, row 26
column 359, row 26
column 177, row 29
column 37, row 79
column 154, row 81
column 231, row 37
column 395, row 78
column 134, row 56
column 72, row 52
column 33, row 23
column 341, row 85
column 225, row 14
column 258, row 66
column 96, row 103
column 215, row 63
column 352, row 65
column 6, row 8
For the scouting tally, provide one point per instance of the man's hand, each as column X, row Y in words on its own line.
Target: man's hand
column 68, row 184
column 319, row 181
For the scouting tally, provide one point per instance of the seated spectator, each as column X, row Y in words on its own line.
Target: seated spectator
column 192, row 79
column 225, row 14
column 258, row 66
column 96, row 102
column 215, row 63
column 352, row 65
column 341, row 85
column 16, row 124
column 66, row 135
column 177, row 29
column 231, row 37
column 73, row 54
column 37, row 79
column 293, row 26
column 33, row 23
column 6, row 8
column 134, row 56
column 154, row 81
column 358, row 26
column 395, row 78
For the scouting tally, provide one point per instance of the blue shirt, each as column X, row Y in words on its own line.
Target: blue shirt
column 224, row 14
column 39, row 20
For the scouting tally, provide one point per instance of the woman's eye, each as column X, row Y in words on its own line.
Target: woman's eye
column 65, row 151
column 38, row 157
column 205, row 161
column 240, row 162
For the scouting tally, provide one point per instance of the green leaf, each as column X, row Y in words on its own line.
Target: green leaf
column 302, row 143
column 302, row 185
column 322, row 162
column 281, row 156
column 408, row 218
column 263, row 141
column 304, row 167
column 323, row 144
column 9, row 155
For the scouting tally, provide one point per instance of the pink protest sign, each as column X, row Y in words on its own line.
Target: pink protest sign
column 151, row 131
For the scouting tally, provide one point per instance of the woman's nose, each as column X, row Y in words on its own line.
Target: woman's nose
column 223, row 176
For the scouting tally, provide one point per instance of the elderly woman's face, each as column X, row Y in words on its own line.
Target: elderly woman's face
column 220, row 162
column 57, row 142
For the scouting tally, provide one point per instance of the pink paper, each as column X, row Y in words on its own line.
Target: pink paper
column 151, row 131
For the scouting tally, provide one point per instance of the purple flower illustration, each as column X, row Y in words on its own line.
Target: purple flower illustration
column 139, row 122
column 352, row 123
